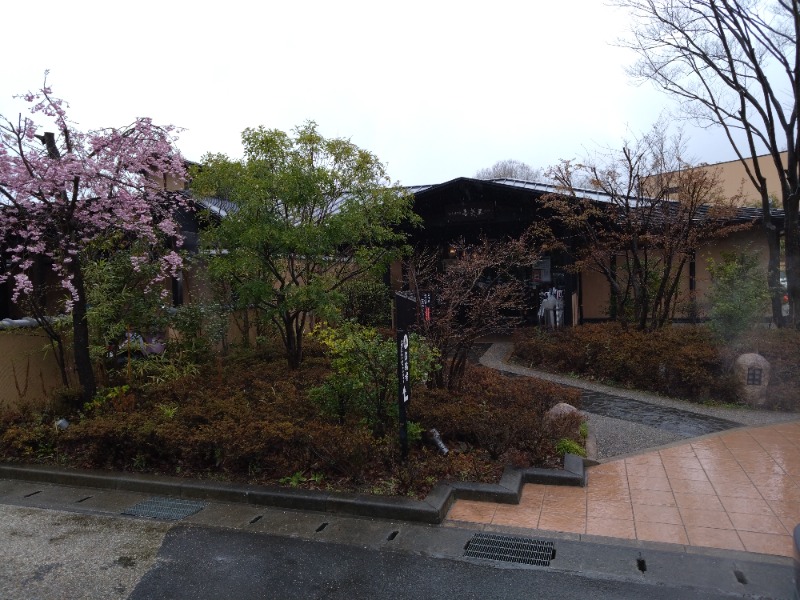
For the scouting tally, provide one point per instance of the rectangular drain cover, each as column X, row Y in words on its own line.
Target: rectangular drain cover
column 510, row 549
column 168, row 509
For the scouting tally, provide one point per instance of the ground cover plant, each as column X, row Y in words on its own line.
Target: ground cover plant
column 689, row 362
column 247, row 418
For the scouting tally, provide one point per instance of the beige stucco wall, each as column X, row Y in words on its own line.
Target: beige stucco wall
column 752, row 242
column 596, row 295
column 28, row 369
column 596, row 292
column 734, row 180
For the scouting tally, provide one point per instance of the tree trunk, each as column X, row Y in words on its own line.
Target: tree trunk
column 293, row 340
column 774, row 271
column 80, row 334
column 792, row 259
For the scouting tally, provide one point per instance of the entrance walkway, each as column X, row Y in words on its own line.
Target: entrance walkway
column 735, row 489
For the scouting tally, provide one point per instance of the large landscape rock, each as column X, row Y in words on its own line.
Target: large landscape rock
column 752, row 372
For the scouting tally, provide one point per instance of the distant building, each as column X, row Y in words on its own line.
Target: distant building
column 468, row 208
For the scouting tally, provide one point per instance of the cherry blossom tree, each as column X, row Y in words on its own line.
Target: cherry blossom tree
column 65, row 192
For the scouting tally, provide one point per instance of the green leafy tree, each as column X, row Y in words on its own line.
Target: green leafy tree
column 305, row 214
column 121, row 297
column 364, row 383
column 739, row 295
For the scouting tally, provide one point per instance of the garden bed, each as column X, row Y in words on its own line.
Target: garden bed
column 249, row 419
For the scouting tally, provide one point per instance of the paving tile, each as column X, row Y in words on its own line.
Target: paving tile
column 770, row 480
column 707, row 537
column 692, row 501
column 531, row 497
column 616, row 466
column 789, row 510
column 575, row 506
column 656, row 514
column 562, row 522
column 610, row 510
column 689, row 486
column 766, row 543
column 661, row 532
column 719, row 465
column 646, row 470
column 751, row 506
column 653, row 497
column 605, row 481
column 649, row 458
column 649, row 483
column 789, row 523
column 516, row 516
column 608, row 496
column 472, row 511
column 786, row 492
column 617, row 528
column 697, row 517
column 680, row 451
column 739, row 478
column 736, row 490
column 758, row 523
column 686, row 474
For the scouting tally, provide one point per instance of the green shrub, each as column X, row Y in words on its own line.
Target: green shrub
column 364, row 382
column 568, row 446
column 367, row 301
column 739, row 295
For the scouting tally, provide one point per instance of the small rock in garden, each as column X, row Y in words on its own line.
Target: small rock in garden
column 560, row 409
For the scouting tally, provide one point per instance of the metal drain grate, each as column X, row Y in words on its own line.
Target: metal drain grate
column 167, row 509
column 510, row 549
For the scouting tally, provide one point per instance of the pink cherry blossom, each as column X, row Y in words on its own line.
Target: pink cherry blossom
column 63, row 191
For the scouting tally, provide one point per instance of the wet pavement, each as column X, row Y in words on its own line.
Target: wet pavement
column 735, row 490
column 684, row 423
column 720, row 485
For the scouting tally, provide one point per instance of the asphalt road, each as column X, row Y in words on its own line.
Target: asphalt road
column 54, row 550
column 203, row 563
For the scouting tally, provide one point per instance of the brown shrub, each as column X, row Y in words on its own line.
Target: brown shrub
column 679, row 361
column 251, row 420
column 499, row 414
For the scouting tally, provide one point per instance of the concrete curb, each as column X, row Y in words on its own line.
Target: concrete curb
column 433, row 509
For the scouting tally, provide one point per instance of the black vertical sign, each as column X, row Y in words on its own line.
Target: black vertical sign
column 405, row 311
column 403, row 388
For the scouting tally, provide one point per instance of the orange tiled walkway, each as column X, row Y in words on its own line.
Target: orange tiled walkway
column 737, row 490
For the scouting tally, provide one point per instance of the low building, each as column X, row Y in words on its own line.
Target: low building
column 467, row 208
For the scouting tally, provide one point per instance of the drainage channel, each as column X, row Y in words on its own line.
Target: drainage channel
column 166, row 509
column 508, row 548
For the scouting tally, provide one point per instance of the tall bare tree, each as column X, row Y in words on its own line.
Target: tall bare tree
column 475, row 294
column 655, row 211
column 510, row 169
column 735, row 64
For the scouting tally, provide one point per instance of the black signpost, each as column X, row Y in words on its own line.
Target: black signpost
column 405, row 312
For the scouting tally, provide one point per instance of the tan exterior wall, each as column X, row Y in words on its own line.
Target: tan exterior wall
column 597, row 295
column 734, row 180
column 752, row 242
column 28, row 369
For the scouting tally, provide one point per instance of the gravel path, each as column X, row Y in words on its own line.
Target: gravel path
column 635, row 427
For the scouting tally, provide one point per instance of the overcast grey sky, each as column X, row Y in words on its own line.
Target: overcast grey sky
column 436, row 89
